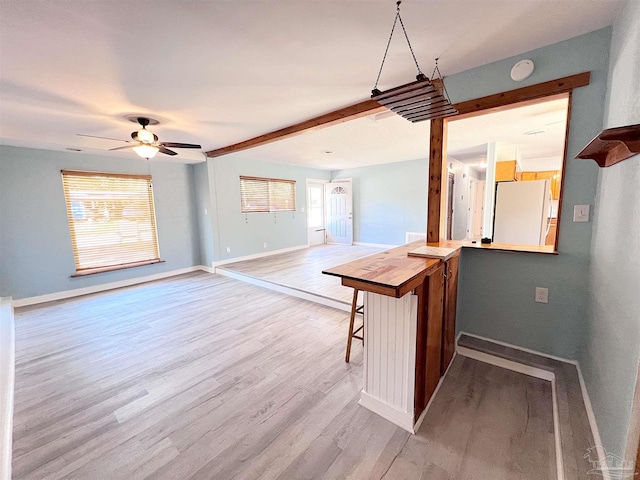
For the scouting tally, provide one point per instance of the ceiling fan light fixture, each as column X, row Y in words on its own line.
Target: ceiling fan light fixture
column 145, row 136
column 146, row 151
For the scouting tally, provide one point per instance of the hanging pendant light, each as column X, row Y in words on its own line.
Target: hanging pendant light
column 417, row 101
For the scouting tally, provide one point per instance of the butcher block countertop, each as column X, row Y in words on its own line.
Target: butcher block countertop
column 392, row 272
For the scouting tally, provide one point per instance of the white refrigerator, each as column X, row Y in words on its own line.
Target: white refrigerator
column 522, row 212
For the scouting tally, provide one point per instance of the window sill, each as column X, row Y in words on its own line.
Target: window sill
column 93, row 271
column 503, row 247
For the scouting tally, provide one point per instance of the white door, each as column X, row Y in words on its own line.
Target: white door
column 339, row 212
column 315, row 212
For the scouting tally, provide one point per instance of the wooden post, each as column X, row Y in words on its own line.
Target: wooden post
column 437, row 157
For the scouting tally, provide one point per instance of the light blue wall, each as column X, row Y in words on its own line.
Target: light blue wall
column 206, row 214
column 609, row 358
column 246, row 233
column 388, row 200
column 36, row 256
column 497, row 289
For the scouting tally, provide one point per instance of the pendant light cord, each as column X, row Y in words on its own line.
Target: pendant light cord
column 384, row 57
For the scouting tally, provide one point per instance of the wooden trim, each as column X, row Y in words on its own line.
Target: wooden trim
column 444, row 180
column 78, row 173
column 357, row 110
column 437, row 158
column 637, row 469
column 532, row 92
column 369, row 287
column 93, row 271
column 563, row 173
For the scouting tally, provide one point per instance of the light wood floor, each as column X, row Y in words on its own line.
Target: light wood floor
column 573, row 422
column 302, row 269
column 204, row 377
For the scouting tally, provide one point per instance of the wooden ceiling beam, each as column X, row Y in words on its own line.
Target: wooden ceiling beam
column 357, row 110
column 370, row 107
column 479, row 106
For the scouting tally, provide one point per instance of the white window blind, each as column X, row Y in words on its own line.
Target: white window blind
column 267, row 195
column 111, row 220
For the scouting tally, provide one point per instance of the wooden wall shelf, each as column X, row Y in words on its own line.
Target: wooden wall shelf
column 613, row 145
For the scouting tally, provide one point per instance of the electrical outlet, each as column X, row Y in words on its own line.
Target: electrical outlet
column 542, row 295
column 228, row 249
column 264, row 245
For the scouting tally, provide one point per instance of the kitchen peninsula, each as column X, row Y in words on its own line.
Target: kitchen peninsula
column 409, row 317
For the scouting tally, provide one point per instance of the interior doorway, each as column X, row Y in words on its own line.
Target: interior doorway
column 339, row 212
column 315, row 212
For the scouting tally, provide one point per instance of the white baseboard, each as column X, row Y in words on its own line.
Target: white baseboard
column 507, row 364
column 76, row 292
column 7, row 382
column 517, row 347
column 293, row 292
column 606, row 475
column 402, row 419
column 376, row 245
column 259, row 255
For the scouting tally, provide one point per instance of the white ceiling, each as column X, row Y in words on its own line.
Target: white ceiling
column 534, row 135
column 219, row 72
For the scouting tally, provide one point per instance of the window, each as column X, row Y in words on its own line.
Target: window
column 315, row 205
column 508, row 167
column 267, row 195
column 111, row 220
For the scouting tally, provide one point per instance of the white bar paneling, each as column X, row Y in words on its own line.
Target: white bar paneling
column 389, row 360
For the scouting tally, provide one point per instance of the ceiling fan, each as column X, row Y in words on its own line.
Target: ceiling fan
column 145, row 143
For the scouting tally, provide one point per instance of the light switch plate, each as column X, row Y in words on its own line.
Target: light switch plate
column 581, row 213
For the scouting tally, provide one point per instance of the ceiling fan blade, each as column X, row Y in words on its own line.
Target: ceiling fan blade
column 123, row 148
column 104, row 138
column 179, row 145
column 166, row 151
